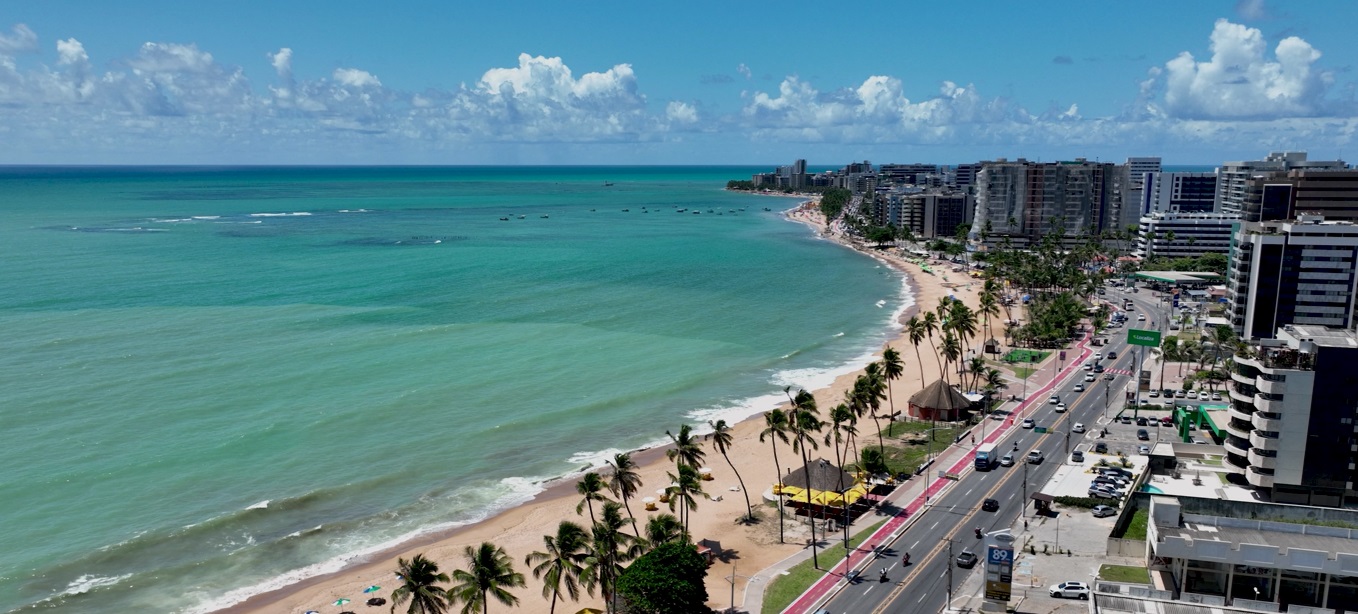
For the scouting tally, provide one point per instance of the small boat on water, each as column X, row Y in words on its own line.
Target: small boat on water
column 544, row 216
column 504, row 219
column 696, row 212
column 767, row 209
column 608, row 184
column 522, row 216
column 626, row 210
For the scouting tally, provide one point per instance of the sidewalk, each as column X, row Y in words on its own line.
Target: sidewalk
column 957, row 458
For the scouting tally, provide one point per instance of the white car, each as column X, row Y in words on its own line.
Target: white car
column 1007, row 460
column 1028, row 423
column 1098, row 356
column 1203, row 396
column 1079, row 387
column 1089, row 377
column 1070, row 590
column 1060, row 407
column 1216, row 396
column 1054, row 400
column 1089, row 366
column 1078, row 428
column 1140, row 317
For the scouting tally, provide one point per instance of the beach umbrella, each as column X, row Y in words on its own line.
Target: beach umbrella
column 372, row 589
column 312, row 612
column 341, row 601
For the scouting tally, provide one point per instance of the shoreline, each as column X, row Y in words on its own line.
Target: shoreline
column 519, row 529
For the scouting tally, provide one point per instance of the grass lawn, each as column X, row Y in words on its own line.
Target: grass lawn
column 902, row 457
column 1033, row 356
column 784, row 589
column 1021, row 372
column 1136, row 529
column 1124, row 573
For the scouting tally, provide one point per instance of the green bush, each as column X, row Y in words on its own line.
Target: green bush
column 1081, row 502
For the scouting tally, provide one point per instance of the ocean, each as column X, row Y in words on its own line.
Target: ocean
column 219, row 381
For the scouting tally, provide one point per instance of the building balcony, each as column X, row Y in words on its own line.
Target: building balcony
column 1270, row 386
column 1241, row 397
column 1264, row 442
column 1263, row 462
column 1243, row 416
column 1236, row 431
column 1235, row 464
column 1267, row 405
column 1233, row 447
column 1243, row 379
column 1258, row 479
column 1271, row 425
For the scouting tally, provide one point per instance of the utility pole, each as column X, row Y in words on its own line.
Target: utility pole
column 949, row 564
column 1024, row 503
column 1067, row 441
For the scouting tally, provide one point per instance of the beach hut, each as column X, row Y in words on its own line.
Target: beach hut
column 938, row 401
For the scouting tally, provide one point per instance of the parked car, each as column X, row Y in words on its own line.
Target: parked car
column 1179, row 394
column 1069, row 590
column 990, row 505
column 1116, row 471
column 1143, row 434
column 1104, row 511
column 1216, row 396
column 1204, row 396
column 1028, row 423
column 1035, row 457
column 1077, row 457
column 1154, row 394
column 1166, row 421
column 1125, row 419
column 1141, row 421
column 1144, row 450
column 1109, row 482
column 1102, row 493
column 967, row 559
column 1007, row 460
column 1101, row 448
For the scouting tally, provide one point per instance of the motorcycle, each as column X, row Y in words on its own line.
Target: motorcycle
column 978, row 532
column 905, row 560
column 882, row 578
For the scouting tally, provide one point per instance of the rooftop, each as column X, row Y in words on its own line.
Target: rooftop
column 1177, row 277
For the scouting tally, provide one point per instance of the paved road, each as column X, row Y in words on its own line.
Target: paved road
column 947, row 525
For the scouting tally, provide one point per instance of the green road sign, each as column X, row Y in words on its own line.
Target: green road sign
column 1148, row 338
column 1040, row 429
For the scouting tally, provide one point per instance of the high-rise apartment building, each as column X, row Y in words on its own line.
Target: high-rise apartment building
column 930, row 215
column 1233, row 177
column 1292, row 272
column 1179, row 193
column 1138, row 169
column 1281, row 196
column 1294, row 401
column 906, row 174
column 965, row 174
column 1025, row 201
column 1183, row 235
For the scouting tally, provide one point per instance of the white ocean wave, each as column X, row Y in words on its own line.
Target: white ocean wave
column 293, row 214
column 89, row 582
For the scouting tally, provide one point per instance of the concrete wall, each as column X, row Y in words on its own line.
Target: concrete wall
column 1256, row 510
column 1126, row 547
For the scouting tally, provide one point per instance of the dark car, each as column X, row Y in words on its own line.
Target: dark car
column 1143, row 435
column 1101, row 448
column 990, row 505
column 1112, row 356
column 967, row 559
column 1098, row 368
column 1141, row 421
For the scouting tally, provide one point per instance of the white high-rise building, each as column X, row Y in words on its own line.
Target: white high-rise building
column 1132, row 207
column 1179, row 193
column 1233, row 177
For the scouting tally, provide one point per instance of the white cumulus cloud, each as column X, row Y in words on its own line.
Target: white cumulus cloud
column 680, row 112
column 23, row 40
column 1240, row 81
column 353, row 77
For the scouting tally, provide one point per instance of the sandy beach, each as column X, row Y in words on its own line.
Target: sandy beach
column 752, row 548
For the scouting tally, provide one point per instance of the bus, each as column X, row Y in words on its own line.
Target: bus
column 986, row 457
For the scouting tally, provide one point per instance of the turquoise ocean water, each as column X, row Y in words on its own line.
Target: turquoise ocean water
column 216, row 382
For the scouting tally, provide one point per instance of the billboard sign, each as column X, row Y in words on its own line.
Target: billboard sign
column 999, row 571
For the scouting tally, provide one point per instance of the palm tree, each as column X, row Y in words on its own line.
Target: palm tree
column 804, row 424
column 775, row 428
column 663, row 529
column 591, row 487
column 419, row 584
column 929, row 325
column 610, row 548
column 684, row 490
column 721, row 440
column 841, row 419
column 686, row 450
column 489, row 573
column 892, row 369
column 625, row 482
column 561, row 561
column 873, row 385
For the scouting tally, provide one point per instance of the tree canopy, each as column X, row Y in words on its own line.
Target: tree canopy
column 666, row 580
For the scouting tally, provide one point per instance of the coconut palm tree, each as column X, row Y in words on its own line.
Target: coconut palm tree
column 686, row 450
column 684, row 490
column 489, row 573
column 591, row 487
column 722, row 440
column 952, row 351
column 804, row 425
column 561, row 561
column 841, row 419
column 663, row 529
column 419, row 585
column 625, row 482
column 930, row 325
column 892, row 369
column 775, row 428
column 873, row 389
column 610, row 548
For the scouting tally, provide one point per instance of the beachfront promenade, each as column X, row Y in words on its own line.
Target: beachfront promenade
column 957, row 461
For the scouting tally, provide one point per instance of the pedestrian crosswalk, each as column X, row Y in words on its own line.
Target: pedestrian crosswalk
column 1118, row 371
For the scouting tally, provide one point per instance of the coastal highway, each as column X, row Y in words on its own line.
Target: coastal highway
column 951, row 518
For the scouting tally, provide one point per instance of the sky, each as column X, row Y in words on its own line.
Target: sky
column 603, row 82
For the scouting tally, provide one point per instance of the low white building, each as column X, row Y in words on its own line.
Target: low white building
column 1180, row 235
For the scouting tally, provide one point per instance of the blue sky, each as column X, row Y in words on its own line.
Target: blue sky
column 596, row 82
